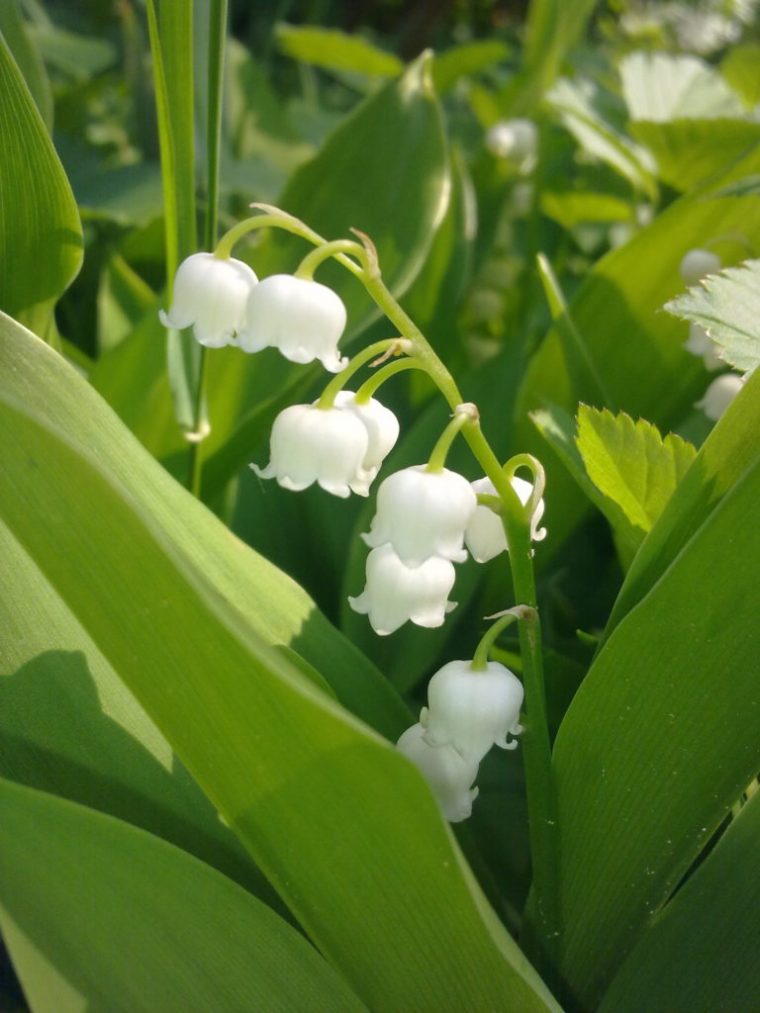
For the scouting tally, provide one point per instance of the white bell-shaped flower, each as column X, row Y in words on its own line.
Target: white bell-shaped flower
column 395, row 592
column 700, row 343
column 473, row 710
column 720, row 394
column 423, row 513
column 381, row 425
column 301, row 318
column 485, row 536
column 515, row 140
column 210, row 295
column 447, row 772
column 697, row 264
column 323, row 445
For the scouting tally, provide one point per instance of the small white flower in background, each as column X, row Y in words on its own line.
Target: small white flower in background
column 720, row 394
column 423, row 513
column 697, row 264
column 485, row 537
column 301, row 318
column 515, row 140
column 210, row 295
column 700, row 343
column 473, row 710
column 381, row 425
column 327, row 446
column 447, row 772
column 395, row 592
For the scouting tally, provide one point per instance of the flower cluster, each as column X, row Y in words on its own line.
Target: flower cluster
column 470, row 709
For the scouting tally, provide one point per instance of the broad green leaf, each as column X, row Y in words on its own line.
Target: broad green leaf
column 702, row 954
column 308, row 788
column 658, row 743
column 571, row 208
column 631, row 464
column 740, row 68
column 69, row 726
column 661, row 87
column 335, row 50
column 100, row 915
column 727, row 306
column 78, row 56
column 129, row 194
column 26, row 55
column 170, row 23
column 732, row 447
column 575, row 102
column 690, row 151
column 123, row 299
column 466, row 59
column 636, row 347
column 40, row 233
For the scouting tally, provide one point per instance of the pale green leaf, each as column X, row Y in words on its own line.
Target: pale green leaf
column 661, row 87
column 727, row 306
column 631, row 464
column 100, row 915
column 332, row 49
column 741, row 68
column 466, row 59
column 690, row 151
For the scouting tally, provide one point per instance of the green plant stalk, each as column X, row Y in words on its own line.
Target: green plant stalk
column 379, row 348
column 368, row 388
column 480, row 657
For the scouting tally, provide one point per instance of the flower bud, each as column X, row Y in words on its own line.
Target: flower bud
column 697, row 264
column 381, row 425
column 485, row 536
column 515, row 140
column 210, row 295
column 301, row 318
column 700, row 343
column 473, row 710
column 720, row 394
column 395, row 592
column 448, row 773
column 323, row 445
column 423, row 513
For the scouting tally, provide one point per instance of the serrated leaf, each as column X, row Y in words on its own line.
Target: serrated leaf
column 689, row 151
column 727, row 306
column 661, row 87
column 631, row 464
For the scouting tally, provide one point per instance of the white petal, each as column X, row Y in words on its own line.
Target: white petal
column 449, row 775
column 396, row 593
column 381, row 425
column 423, row 514
column 301, row 318
column 697, row 264
column 485, row 536
column 472, row 710
column 720, row 394
column 210, row 293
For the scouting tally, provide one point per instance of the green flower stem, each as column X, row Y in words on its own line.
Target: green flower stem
column 437, row 460
column 312, row 260
column 379, row 348
column 480, row 657
column 368, row 388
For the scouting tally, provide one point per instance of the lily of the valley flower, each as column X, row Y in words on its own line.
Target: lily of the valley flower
column 720, row 394
column 473, row 709
column 210, row 295
column 381, row 425
column 423, row 513
column 515, row 140
column 449, row 774
column 301, row 318
column 485, row 537
column 395, row 592
column 697, row 264
column 324, row 445
column 700, row 343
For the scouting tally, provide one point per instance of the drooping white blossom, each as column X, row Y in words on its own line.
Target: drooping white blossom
column 395, row 592
column 323, row 445
column 423, row 513
column 696, row 264
column 302, row 318
column 515, row 140
column 210, row 295
column 700, row 343
column 485, row 537
column 447, row 772
column 720, row 394
column 473, row 710
column 381, row 425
